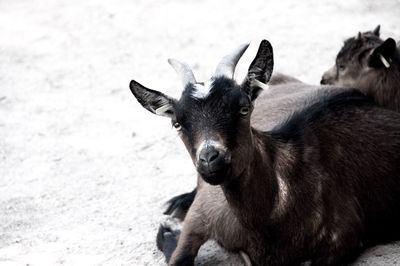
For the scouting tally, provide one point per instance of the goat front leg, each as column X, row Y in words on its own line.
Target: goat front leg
column 193, row 235
column 186, row 251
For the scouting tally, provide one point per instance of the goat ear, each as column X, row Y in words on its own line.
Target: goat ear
column 154, row 101
column 383, row 54
column 260, row 70
column 377, row 30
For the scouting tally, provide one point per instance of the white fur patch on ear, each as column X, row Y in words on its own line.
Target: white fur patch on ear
column 257, row 83
column 384, row 61
column 163, row 109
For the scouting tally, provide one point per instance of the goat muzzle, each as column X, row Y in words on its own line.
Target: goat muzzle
column 213, row 165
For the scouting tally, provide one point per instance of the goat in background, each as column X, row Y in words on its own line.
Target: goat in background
column 370, row 64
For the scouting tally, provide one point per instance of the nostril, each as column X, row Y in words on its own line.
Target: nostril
column 212, row 156
column 208, row 156
column 323, row 81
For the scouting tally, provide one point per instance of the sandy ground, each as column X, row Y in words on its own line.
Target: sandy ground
column 84, row 170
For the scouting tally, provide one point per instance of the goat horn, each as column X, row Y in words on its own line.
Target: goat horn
column 228, row 63
column 183, row 71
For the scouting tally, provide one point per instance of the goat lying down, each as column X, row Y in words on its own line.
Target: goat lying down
column 318, row 187
column 279, row 101
column 284, row 95
column 365, row 62
column 370, row 64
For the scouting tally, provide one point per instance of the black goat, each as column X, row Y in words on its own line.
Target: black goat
column 370, row 64
column 365, row 62
column 319, row 187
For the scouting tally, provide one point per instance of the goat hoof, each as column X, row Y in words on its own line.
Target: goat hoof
column 167, row 237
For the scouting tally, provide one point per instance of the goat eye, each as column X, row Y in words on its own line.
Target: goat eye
column 244, row 110
column 177, row 126
column 341, row 67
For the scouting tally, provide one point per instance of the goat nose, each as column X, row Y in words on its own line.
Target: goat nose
column 213, row 164
column 207, row 156
column 323, row 81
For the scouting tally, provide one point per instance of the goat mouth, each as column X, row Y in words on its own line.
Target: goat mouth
column 215, row 177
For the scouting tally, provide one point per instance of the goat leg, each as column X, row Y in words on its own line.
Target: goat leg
column 167, row 237
column 192, row 237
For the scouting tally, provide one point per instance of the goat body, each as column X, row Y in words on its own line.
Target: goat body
column 365, row 62
column 284, row 96
column 320, row 186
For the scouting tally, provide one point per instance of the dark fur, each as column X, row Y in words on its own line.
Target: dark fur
column 293, row 128
column 359, row 212
column 179, row 205
column 358, row 65
column 214, row 110
column 383, row 85
column 319, row 187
